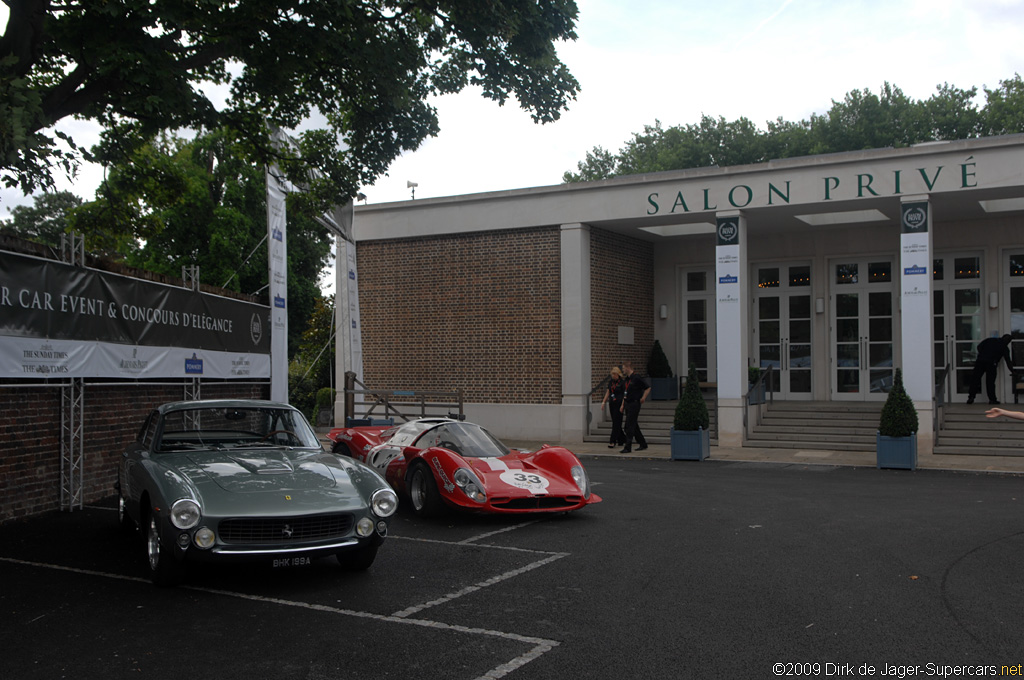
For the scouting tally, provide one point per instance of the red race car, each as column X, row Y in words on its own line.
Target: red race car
column 439, row 462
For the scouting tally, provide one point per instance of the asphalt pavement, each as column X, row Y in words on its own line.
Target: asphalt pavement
column 713, row 569
column 821, row 456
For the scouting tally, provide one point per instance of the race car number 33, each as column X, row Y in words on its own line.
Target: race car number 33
column 529, row 481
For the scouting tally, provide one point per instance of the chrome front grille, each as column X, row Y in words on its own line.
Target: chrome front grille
column 284, row 530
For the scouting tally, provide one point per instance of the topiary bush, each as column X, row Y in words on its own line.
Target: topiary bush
column 657, row 364
column 899, row 417
column 691, row 410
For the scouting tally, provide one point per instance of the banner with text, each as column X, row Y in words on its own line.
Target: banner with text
column 76, row 322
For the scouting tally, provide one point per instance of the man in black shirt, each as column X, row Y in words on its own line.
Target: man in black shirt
column 637, row 390
column 990, row 352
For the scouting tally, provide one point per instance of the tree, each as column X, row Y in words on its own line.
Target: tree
column 139, row 68
column 45, row 220
column 862, row 120
column 312, row 369
column 176, row 202
column 1004, row 109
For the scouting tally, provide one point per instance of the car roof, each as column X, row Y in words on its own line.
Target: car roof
column 221, row 403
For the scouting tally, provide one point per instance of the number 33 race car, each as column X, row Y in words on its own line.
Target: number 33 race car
column 439, row 463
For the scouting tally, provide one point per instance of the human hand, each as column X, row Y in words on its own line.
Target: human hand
column 995, row 413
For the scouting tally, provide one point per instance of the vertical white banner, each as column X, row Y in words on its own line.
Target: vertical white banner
column 350, row 344
column 916, row 300
column 731, row 314
column 278, row 260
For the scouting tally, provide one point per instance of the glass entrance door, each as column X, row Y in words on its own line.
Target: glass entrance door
column 1013, row 269
column 957, row 306
column 697, row 334
column 782, row 328
column 863, row 329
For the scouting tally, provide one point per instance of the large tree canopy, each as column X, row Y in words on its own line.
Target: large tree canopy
column 176, row 203
column 368, row 66
column 862, row 120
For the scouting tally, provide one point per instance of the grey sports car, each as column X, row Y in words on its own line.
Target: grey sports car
column 231, row 480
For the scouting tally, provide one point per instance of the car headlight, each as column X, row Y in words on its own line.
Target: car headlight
column 384, row 502
column 185, row 513
column 364, row 527
column 579, row 475
column 470, row 485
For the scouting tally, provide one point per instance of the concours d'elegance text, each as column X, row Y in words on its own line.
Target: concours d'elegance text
column 897, row 670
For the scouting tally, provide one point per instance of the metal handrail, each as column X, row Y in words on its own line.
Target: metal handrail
column 942, row 388
column 767, row 375
column 588, row 398
column 423, row 401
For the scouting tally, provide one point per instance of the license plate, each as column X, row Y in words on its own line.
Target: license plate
column 286, row 562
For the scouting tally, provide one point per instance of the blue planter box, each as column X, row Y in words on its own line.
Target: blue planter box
column 664, row 389
column 896, row 452
column 690, row 444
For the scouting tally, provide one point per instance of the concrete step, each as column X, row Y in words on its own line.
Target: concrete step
column 812, row 446
column 836, row 426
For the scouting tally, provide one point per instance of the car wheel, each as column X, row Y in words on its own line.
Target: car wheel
column 358, row 560
column 426, row 499
column 164, row 570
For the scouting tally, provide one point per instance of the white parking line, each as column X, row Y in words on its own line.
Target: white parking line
column 499, row 531
column 479, row 586
column 540, row 645
column 393, row 537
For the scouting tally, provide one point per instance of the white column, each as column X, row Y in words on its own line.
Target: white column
column 917, row 360
column 575, row 268
column 732, row 301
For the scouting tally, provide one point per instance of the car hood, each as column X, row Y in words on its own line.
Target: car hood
column 253, row 471
column 518, row 475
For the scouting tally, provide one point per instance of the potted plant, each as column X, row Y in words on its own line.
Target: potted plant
column 689, row 436
column 664, row 386
column 896, row 440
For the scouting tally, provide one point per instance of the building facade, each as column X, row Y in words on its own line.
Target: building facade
column 834, row 270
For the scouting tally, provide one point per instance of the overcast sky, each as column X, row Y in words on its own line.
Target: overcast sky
column 647, row 60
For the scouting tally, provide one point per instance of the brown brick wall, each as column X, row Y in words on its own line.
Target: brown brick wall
column 479, row 311
column 30, row 438
column 621, row 294
column 30, row 419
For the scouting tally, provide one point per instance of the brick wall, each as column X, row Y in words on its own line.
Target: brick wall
column 30, row 438
column 479, row 311
column 30, row 418
column 621, row 294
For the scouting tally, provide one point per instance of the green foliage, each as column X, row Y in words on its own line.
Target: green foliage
column 753, row 373
column 862, row 120
column 173, row 202
column 311, row 372
column 899, row 417
column 691, row 409
column 368, row 68
column 657, row 363
column 325, row 398
column 45, row 220
column 1004, row 113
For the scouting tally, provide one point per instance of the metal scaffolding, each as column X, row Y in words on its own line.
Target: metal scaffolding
column 72, row 407
column 72, row 456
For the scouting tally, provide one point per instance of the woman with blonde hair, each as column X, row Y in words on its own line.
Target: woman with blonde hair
column 614, row 393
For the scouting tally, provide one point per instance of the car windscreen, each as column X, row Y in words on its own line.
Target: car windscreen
column 234, row 427
column 465, row 439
